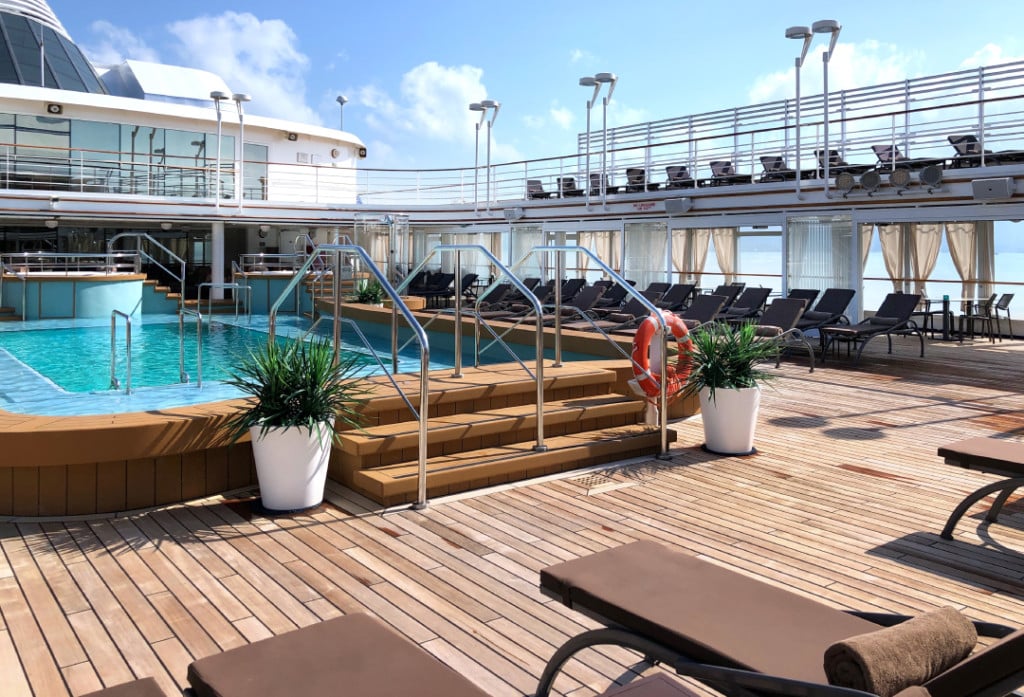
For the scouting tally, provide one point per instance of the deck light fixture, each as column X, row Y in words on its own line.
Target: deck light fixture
column 826, row 26
column 805, row 35
column 51, row 223
column 900, row 178
column 342, row 100
column 217, row 98
column 240, row 98
column 870, row 181
column 588, row 81
column 604, row 79
column 931, row 176
column 477, row 106
column 845, row 183
column 493, row 106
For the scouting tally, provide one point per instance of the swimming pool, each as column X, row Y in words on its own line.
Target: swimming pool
column 62, row 367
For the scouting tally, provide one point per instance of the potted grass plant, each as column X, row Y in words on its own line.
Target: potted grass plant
column 296, row 395
column 724, row 373
column 370, row 292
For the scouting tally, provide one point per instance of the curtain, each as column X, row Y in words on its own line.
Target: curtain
column 725, row 251
column 891, row 237
column 961, row 242
column 984, row 232
column 646, row 247
column 604, row 244
column 925, row 240
column 866, row 230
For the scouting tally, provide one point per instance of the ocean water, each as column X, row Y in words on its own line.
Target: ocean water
column 763, row 268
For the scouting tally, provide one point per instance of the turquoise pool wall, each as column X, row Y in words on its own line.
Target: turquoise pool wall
column 72, row 297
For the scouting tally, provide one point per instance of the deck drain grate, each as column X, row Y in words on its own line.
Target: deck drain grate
column 599, row 482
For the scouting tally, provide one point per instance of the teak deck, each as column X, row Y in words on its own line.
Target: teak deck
column 843, row 502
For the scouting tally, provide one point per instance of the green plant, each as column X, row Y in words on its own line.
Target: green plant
column 369, row 291
column 297, row 384
column 723, row 357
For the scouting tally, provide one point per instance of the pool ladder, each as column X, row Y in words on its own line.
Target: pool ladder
column 114, row 383
column 183, row 376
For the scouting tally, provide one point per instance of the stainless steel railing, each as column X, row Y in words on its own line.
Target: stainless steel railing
column 114, row 383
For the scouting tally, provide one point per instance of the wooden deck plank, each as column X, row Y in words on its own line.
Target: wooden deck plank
column 843, row 503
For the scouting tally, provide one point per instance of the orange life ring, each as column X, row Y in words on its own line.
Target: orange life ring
column 648, row 380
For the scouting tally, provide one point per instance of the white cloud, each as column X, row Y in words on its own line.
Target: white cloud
column 852, row 65
column 436, row 100
column 562, row 116
column 252, row 55
column 116, row 44
column 578, row 55
column 990, row 54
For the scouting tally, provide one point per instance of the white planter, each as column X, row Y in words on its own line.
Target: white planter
column 730, row 420
column 291, row 464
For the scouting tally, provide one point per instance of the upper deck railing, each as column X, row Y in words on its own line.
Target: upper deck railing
column 917, row 116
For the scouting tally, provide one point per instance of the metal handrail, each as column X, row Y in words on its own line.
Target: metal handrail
column 139, row 236
column 503, row 272
column 398, row 305
column 8, row 270
column 182, row 375
column 233, row 286
column 114, row 384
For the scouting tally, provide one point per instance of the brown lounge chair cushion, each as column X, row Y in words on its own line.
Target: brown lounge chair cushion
column 352, row 655
column 143, row 687
column 704, row 611
column 910, row 653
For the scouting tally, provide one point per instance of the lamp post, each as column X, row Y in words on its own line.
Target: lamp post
column 494, row 107
column 588, row 81
column 610, row 79
column 342, row 100
column 804, row 34
column 826, row 26
column 217, row 98
column 240, row 98
column 477, row 106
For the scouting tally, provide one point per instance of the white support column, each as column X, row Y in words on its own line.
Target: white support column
column 217, row 259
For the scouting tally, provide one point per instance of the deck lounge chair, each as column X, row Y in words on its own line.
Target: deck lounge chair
column 580, row 304
column 676, row 297
column 890, row 157
column 744, row 636
column 636, row 180
column 354, row 654
column 535, row 189
column 702, row 309
column 625, row 318
column 837, row 165
column 613, row 297
column 723, row 173
column 567, row 187
column 830, row 310
column 730, row 290
column 778, row 322
column 747, row 304
column 595, row 185
column 143, row 687
column 807, row 294
column 775, row 169
column 679, row 178
column 893, row 318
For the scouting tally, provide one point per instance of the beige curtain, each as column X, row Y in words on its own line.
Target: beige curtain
column 866, row 231
column 984, row 233
column 925, row 240
column 960, row 239
column 690, row 252
column 604, row 244
column 891, row 237
column 725, row 251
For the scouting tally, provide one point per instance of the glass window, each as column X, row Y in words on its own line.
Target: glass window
column 255, row 185
column 8, row 69
column 85, row 72
column 24, row 44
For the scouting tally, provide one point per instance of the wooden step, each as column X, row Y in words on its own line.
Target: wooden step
column 486, row 388
column 398, row 483
column 457, row 432
column 8, row 314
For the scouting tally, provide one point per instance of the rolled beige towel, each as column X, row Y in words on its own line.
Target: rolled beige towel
column 910, row 653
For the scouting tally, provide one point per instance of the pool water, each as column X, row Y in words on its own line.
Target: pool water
column 63, row 367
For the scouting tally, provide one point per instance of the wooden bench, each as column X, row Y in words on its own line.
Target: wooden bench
column 1004, row 457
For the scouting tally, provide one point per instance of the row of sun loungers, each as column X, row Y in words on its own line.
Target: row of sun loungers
column 969, row 153
column 731, row 632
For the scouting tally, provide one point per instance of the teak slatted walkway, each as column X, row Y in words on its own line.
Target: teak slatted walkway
column 844, row 502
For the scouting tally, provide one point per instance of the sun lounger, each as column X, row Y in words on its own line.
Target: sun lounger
column 636, row 180
column 778, row 322
column 676, row 297
column 747, row 304
column 775, row 169
column 143, row 687
column 830, row 311
column 679, row 177
column 352, row 655
column 837, row 165
column 893, row 318
column 535, row 189
column 743, row 636
column 702, row 309
column 890, row 157
column 567, row 187
column 723, row 173
column 1003, row 457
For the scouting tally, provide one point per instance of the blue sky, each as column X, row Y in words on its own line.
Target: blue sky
column 410, row 68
